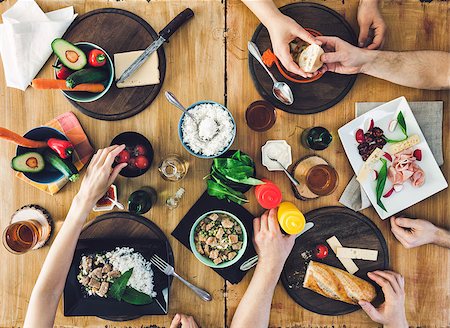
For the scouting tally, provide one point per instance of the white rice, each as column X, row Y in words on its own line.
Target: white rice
column 125, row 258
column 210, row 118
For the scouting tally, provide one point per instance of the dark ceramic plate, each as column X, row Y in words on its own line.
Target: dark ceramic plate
column 42, row 133
column 111, row 230
column 132, row 139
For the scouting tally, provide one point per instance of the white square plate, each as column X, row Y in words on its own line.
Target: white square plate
column 409, row 195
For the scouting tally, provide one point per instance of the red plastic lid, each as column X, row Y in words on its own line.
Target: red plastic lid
column 268, row 195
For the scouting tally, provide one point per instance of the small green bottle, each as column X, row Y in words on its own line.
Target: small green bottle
column 142, row 200
column 316, row 138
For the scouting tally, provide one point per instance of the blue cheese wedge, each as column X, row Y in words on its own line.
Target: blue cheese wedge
column 400, row 146
column 369, row 164
column 147, row 74
column 357, row 253
column 349, row 265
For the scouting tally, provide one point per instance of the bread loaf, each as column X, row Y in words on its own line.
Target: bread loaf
column 337, row 284
column 309, row 59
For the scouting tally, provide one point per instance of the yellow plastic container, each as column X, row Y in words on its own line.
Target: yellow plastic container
column 290, row 218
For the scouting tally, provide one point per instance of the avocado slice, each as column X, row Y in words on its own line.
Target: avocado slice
column 31, row 162
column 70, row 56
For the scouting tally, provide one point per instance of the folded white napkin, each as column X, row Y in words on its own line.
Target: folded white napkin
column 25, row 39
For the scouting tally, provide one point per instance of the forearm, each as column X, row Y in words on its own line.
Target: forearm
column 416, row 69
column 265, row 10
column 442, row 238
column 254, row 307
column 50, row 283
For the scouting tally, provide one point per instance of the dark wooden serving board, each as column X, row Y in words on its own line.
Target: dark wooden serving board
column 106, row 232
column 315, row 96
column 117, row 30
column 352, row 229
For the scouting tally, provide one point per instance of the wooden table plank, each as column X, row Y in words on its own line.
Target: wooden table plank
column 195, row 62
column 411, row 25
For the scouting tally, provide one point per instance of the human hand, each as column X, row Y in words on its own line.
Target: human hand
column 272, row 246
column 342, row 57
column 283, row 30
column 413, row 232
column 369, row 17
column 183, row 321
column 392, row 312
column 100, row 175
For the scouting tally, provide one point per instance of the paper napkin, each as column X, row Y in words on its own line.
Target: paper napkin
column 429, row 116
column 25, row 39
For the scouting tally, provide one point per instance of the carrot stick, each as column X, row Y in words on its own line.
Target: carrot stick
column 19, row 140
column 45, row 84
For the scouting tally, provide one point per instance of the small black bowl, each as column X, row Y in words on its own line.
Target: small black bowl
column 130, row 140
column 49, row 174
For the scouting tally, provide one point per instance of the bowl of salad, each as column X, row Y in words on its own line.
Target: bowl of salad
column 218, row 239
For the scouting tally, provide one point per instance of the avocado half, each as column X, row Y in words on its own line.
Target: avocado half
column 69, row 55
column 31, row 162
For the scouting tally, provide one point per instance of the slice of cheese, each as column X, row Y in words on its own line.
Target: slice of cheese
column 357, row 253
column 349, row 265
column 400, row 146
column 368, row 164
column 147, row 74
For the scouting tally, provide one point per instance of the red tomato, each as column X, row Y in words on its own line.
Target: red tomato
column 321, row 251
column 141, row 162
column 123, row 157
column 139, row 150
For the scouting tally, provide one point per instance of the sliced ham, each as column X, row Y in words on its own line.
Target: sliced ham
column 404, row 168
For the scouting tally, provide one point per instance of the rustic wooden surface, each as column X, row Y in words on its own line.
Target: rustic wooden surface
column 198, row 59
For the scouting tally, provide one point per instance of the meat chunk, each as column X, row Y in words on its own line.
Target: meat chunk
column 96, row 273
column 238, row 229
column 233, row 239
column 227, row 223
column 217, row 261
column 214, row 216
column 113, row 274
column 199, row 248
column 206, row 250
column 209, row 226
column 202, row 238
column 103, row 289
column 211, row 241
column 106, row 268
column 237, row 246
column 214, row 254
column 231, row 255
column 94, row 283
column 84, row 280
column 220, row 233
column 86, row 263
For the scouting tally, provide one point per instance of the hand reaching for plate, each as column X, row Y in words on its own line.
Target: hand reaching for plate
column 392, row 312
column 369, row 18
column 414, row 232
column 183, row 321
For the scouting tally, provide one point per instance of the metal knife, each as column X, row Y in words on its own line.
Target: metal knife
column 164, row 36
column 251, row 262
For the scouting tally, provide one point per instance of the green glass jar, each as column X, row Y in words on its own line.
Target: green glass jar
column 142, row 200
column 316, row 138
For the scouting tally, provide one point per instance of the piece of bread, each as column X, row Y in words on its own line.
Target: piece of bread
column 337, row 284
column 309, row 59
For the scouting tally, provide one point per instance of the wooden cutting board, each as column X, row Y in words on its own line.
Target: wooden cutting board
column 117, row 30
column 315, row 96
column 352, row 229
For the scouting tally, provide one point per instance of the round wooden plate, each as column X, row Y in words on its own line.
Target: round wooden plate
column 311, row 97
column 117, row 30
column 352, row 229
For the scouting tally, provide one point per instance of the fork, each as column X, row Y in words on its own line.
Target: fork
column 167, row 269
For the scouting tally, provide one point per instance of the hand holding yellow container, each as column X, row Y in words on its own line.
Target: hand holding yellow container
column 291, row 220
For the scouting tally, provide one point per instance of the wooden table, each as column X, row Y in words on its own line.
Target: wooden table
column 208, row 60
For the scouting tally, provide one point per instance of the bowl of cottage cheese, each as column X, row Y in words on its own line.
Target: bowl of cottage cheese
column 208, row 131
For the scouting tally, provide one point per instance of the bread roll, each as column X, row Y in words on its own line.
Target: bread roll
column 337, row 284
column 309, row 59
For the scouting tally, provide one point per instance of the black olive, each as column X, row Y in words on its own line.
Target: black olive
column 377, row 132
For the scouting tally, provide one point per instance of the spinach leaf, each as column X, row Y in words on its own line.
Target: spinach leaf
column 237, row 155
column 381, row 182
column 136, row 297
column 221, row 191
column 402, row 123
column 117, row 288
column 395, row 141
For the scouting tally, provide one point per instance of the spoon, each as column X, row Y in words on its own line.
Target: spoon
column 174, row 101
column 293, row 180
column 280, row 90
column 116, row 203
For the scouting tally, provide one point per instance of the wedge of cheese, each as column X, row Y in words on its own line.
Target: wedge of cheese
column 349, row 265
column 357, row 253
column 147, row 74
column 309, row 59
column 368, row 164
column 400, row 146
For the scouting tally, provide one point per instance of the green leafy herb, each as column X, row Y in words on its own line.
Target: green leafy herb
column 136, row 297
column 221, row 191
column 402, row 123
column 395, row 141
column 117, row 288
column 381, row 182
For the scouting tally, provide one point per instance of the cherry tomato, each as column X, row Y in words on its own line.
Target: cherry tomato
column 321, row 251
column 141, row 162
column 123, row 157
column 139, row 150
